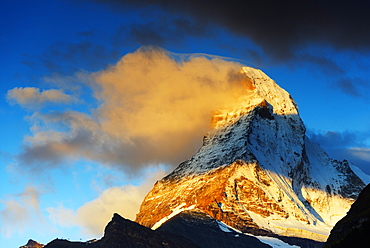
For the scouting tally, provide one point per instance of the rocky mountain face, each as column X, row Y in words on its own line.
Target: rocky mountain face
column 353, row 230
column 257, row 172
column 32, row 244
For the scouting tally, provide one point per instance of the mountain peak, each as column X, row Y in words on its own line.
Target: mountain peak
column 268, row 114
column 261, row 91
column 258, row 172
column 265, row 88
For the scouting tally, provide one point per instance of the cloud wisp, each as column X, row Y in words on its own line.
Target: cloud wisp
column 21, row 210
column 33, row 98
column 154, row 108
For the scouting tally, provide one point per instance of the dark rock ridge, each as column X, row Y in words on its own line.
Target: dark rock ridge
column 354, row 229
column 205, row 231
column 187, row 230
column 123, row 233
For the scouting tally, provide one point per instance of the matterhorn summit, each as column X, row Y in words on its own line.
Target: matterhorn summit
column 258, row 173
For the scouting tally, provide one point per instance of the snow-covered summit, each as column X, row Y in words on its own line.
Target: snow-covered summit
column 268, row 114
column 261, row 90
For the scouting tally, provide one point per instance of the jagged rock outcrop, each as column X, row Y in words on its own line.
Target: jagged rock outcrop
column 258, row 172
column 32, row 244
column 353, row 230
column 121, row 232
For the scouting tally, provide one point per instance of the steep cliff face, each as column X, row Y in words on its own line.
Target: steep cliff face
column 258, row 172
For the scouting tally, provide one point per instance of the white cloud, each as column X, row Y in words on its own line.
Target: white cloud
column 93, row 216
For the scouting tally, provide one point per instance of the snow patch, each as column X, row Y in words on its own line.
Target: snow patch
column 175, row 212
column 273, row 242
column 223, row 227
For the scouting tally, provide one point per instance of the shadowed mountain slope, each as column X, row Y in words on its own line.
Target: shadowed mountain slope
column 354, row 229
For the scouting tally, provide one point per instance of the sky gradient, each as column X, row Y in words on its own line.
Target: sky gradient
column 99, row 99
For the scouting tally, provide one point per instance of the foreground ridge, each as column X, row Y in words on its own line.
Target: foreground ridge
column 258, row 172
column 204, row 232
column 355, row 226
column 123, row 233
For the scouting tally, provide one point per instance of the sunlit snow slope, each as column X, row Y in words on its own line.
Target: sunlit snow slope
column 258, row 172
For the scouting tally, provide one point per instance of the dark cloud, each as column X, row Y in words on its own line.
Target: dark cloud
column 280, row 27
column 45, row 155
column 280, row 31
column 283, row 31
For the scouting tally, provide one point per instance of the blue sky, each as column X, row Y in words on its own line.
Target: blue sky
column 74, row 144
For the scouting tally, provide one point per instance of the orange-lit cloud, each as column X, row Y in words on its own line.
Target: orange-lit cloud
column 154, row 108
column 31, row 97
column 163, row 107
